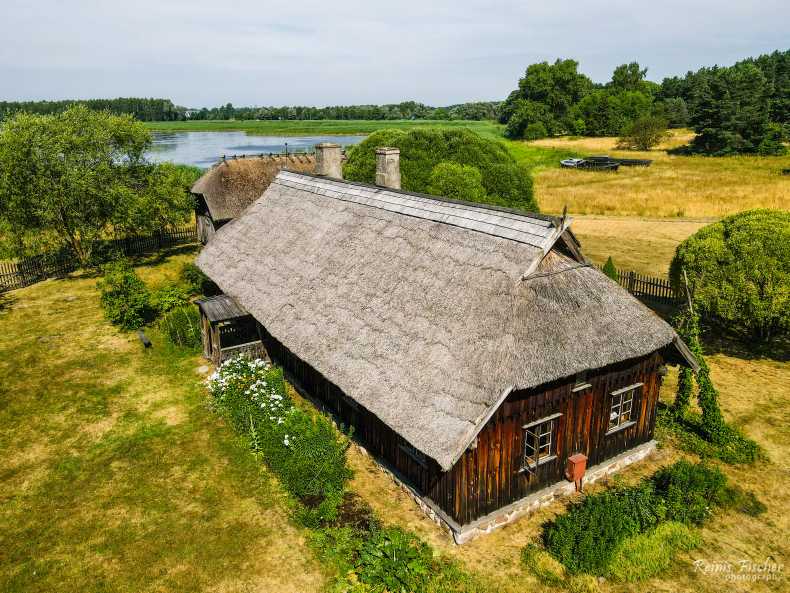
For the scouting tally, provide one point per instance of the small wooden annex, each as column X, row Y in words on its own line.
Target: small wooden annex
column 224, row 191
column 227, row 330
column 473, row 348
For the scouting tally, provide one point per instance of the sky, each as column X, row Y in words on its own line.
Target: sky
column 307, row 52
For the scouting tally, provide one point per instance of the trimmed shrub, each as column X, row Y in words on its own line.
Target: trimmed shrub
column 739, row 273
column 587, row 536
column 646, row 555
column 394, row 560
column 690, row 491
column 422, row 149
column 124, row 297
column 181, row 326
column 305, row 452
column 459, row 182
column 168, row 297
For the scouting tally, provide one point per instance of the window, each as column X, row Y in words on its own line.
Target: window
column 539, row 446
column 621, row 411
column 580, row 382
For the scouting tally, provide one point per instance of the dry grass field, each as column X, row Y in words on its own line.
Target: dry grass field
column 645, row 245
column 672, row 187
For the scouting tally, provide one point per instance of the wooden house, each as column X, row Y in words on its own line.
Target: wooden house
column 224, row 191
column 473, row 348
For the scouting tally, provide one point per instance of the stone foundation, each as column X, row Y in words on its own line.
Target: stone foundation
column 525, row 506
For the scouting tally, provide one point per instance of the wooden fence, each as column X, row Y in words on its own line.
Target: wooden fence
column 648, row 288
column 30, row 270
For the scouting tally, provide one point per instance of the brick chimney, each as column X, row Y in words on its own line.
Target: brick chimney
column 388, row 167
column 328, row 160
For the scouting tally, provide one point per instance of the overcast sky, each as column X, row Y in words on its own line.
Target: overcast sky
column 309, row 52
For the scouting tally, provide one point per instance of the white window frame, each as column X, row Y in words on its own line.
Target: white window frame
column 539, row 435
column 621, row 407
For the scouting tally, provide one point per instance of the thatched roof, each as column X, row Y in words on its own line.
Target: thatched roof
column 425, row 311
column 233, row 184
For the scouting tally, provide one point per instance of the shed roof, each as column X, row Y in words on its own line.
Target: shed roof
column 425, row 311
column 233, row 184
column 221, row 308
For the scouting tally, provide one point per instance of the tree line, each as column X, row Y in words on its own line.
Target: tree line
column 141, row 109
column 164, row 110
column 743, row 108
column 404, row 110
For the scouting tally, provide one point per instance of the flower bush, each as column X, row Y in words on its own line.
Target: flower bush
column 305, row 451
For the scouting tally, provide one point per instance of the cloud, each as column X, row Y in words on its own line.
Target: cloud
column 316, row 52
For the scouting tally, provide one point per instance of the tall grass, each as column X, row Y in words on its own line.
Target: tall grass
column 320, row 127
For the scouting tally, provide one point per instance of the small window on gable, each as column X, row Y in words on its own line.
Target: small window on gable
column 622, row 408
column 581, row 382
column 539, row 441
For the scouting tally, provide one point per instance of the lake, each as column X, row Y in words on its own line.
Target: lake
column 203, row 149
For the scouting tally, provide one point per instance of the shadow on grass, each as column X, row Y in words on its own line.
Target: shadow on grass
column 6, row 301
column 154, row 259
column 717, row 341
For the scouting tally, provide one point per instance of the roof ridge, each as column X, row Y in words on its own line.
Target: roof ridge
column 475, row 205
column 522, row 228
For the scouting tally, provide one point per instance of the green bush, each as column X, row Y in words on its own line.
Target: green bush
column 168, row 297
column 196, row 281
column 646, row 555
column 687, row 429
column 690, row 491
column 394, row 560
column 460, row 182
column 644, row 133
column 181, row 326
column 739, row 273
column 586, row 537
column 422, row 149
column 305, row 452
column 535, row 131
column 124, row 297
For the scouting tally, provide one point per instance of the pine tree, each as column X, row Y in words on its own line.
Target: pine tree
column 610, row 270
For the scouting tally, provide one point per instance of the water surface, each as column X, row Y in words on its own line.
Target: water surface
column 203, row 149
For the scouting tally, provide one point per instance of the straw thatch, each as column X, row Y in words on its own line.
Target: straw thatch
column 427, row 323
column 232, row 185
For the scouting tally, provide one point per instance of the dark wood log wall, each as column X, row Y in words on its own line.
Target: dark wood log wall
column 377, row 437
column 488, row 477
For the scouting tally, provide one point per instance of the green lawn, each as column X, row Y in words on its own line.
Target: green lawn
column 115, row 476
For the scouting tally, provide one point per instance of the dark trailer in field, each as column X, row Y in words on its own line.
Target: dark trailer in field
column 224, row 191
column 474, row 349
